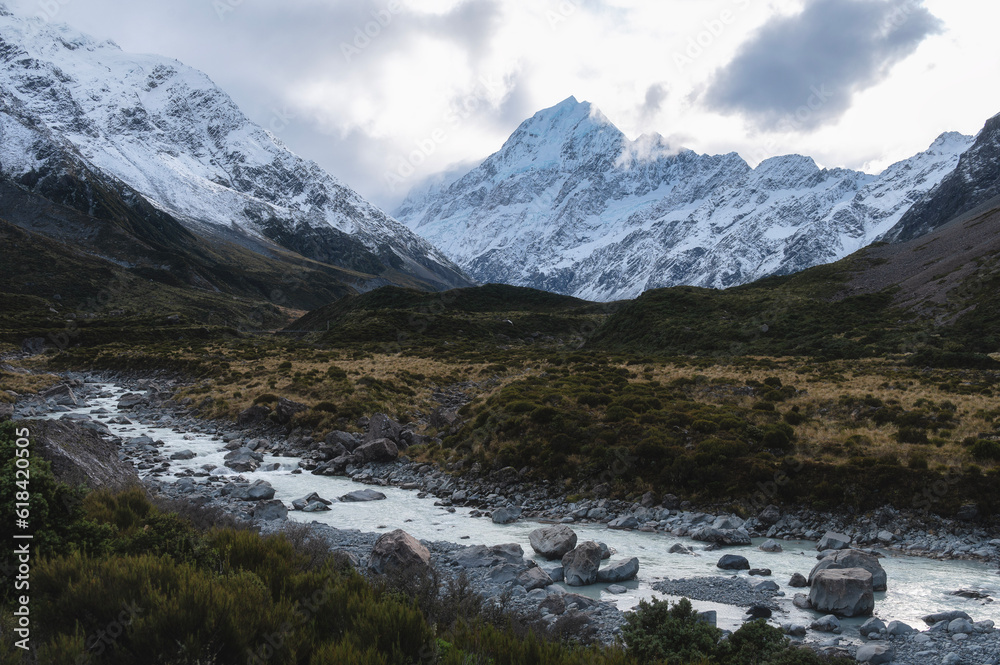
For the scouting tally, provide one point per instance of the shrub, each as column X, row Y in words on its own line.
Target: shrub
column 670, row 633
column 912, row 435
column 985, row 449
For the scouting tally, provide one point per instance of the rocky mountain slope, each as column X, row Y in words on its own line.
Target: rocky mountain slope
column 570, row 204
column 974, row 186
column 165, row 131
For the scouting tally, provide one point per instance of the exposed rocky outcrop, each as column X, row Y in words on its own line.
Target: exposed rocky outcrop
column 80, row 456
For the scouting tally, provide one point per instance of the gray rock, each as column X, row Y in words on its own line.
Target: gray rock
column 932, row 619
column 398, row 550
column 382, row 426
column 801, row 601
column 6, row 411
column 770, row 546
column 254, row 415
column 968, row 513
column 793, row 629
column 481, row 556
column 360, row 496
column 534, row 578
column 767, row 585
column 183, row 455
column 798, row 581
column 960, row 626
column 769, row 516
column 557, row 574
column 730, row 537
column 872, row 627
column 243, row 460
column 130, row 401
column 875, row 654
column 299, row 504
column 379, row 450
column 270, row 511
column 616, row 589
column 260, row 490
column 621, row 570
column 624, row 522
column 80, row 456
column 506, row 515
column 677, row 548
column 346, row 440
column 844, row 592
column 581, row 564
column 898, row 628
column 733, row 562
column 286, row 410
column 826, row 624
column 853, row 559
column 760, row 572
column 315, row 507
column 552, row 542
column 834, row 541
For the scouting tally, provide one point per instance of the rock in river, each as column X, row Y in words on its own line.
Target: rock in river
column 733, row 562
column 853, row 559
column 581, row 564
column 621, row 570
column 552, row 542
column 844, row 592
column 358, row 496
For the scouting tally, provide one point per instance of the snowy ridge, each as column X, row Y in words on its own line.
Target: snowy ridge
column 169, row 132
column 570, row 204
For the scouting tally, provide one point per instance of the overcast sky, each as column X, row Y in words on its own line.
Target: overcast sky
column 360, row 86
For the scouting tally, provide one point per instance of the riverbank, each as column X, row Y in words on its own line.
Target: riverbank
column 151, row 406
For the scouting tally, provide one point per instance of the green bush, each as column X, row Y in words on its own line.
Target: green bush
column 985, row 449
column 670, row 633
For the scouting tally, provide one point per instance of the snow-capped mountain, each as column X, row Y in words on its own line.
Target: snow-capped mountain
column 168, row 132
column 975, row 182
column 570, row 204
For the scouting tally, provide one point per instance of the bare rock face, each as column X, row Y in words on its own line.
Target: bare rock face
column 398, row 550
column 581, row 564
column 833, row 541
column 843, row 592
column 79, row 456
column 552, row 542
column 854, row 559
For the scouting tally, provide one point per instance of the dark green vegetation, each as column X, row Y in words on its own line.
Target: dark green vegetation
column 673, row 634
column 118, row 579
column 458, row 321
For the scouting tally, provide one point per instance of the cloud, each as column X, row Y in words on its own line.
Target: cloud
column 656, row 94
column 802, row 71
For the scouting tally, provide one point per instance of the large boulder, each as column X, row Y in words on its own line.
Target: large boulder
column 381, row 426
column 300, row 504
column 711, row 534
column 505, row 515
column 733, row 562
column 481, row 556
column 243, row 460
column 769, row 516
column 534, row 578
column 270, row 511
column 833, row 541
column 60, row 394
column 286, row 410
column 621, row 570
column 844, row 592
column 6, row 411
column 80, row 456
column 853, row 559
column 580, row 565
column 552, row 542
column 349, row 442
column 398, row 550
column 379, row 450
column 254, row 415
column 875, row 654
column 359, row 496
column 130, row 401
column 260, row 490
column 932, row 619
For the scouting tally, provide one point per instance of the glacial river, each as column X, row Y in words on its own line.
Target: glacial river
column 917, row 586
